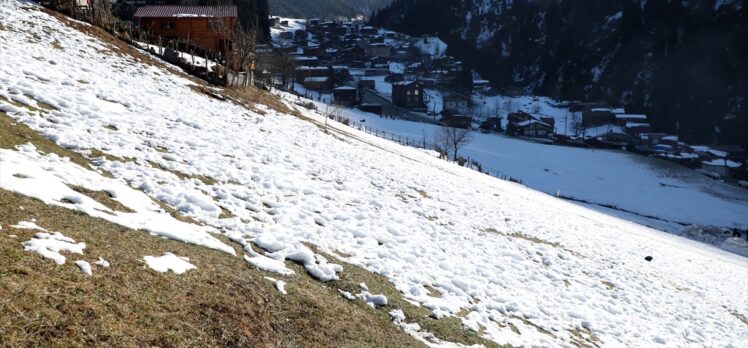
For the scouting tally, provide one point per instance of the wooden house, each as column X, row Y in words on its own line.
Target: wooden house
column 592, row 117
column 723, row 167
column 530, row 128
column 303, row 72
column 527, row 125
column 372, row 108
column 318, row 83
column 209, row 27
column 345, row 96
column 492, row 124
column 408, row 95
column 456, row 104
column 365, row 84
column 457, row 121
column 379, row 50
column 394, row 77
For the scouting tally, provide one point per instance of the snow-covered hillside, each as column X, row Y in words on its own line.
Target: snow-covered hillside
column 514, row 264
column 658, row 192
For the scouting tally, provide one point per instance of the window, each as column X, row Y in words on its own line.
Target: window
column 415, row 92
column 168, row 25
column 215, row 24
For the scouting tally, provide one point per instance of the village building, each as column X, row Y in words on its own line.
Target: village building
column 722, row 167
column 314, row 51
column 305, row 61
column 345, row 96
column 592, row 117
column 623, row 119
column 481, row 84
column 318, row 83
column 405, row 53
column 491, row 124
column 372, row 108
column 379, row 50
column 456, row 104
column 303, row 72
column 394, row 77
column 636, row 128
column 209, row 27
column 527, row 125
column 408, row 95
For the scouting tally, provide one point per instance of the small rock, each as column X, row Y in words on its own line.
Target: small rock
column 649, row 258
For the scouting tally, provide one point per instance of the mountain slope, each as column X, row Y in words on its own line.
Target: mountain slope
column 681, row 62
column 509, row 264
column 325, row 8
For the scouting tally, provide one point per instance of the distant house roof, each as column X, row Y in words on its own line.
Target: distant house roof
column 636, row 124
column 165, row 11
column 722, row 163
column 316, row 79
column 631, row 116
column 405, row 83
column 531, row 122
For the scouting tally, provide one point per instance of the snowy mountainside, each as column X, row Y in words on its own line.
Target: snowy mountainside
column 325, row 8
column 677, row 61
column 516, row 265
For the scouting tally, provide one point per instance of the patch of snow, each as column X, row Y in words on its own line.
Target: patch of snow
column 50, row 246
column 47, row 178
column 279, row 284
column 101, row 262
column 84, row 267
column 347, row 295
column 265, row 263
column 169, row 262
column 28, row 225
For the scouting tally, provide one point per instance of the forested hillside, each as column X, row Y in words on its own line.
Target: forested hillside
column 683, row 63
column 325, row 8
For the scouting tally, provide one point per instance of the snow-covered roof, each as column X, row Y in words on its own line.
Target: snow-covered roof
column 683, row 155
column 345, row 88
column 529, row 122
column 636, row 124
column 316, row 79
column 305, row 58
column 632, row 116
column 404, row 83
column 722, row 163
column 700, row 148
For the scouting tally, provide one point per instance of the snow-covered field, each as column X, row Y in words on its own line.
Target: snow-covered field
column 633, row 183
column 520, row 266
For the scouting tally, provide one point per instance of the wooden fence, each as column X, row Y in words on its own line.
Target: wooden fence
column 422, row 143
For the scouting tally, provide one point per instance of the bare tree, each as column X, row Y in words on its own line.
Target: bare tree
column 243, row 52
column 451, row 140
column 285, row 66
column 102, row 14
